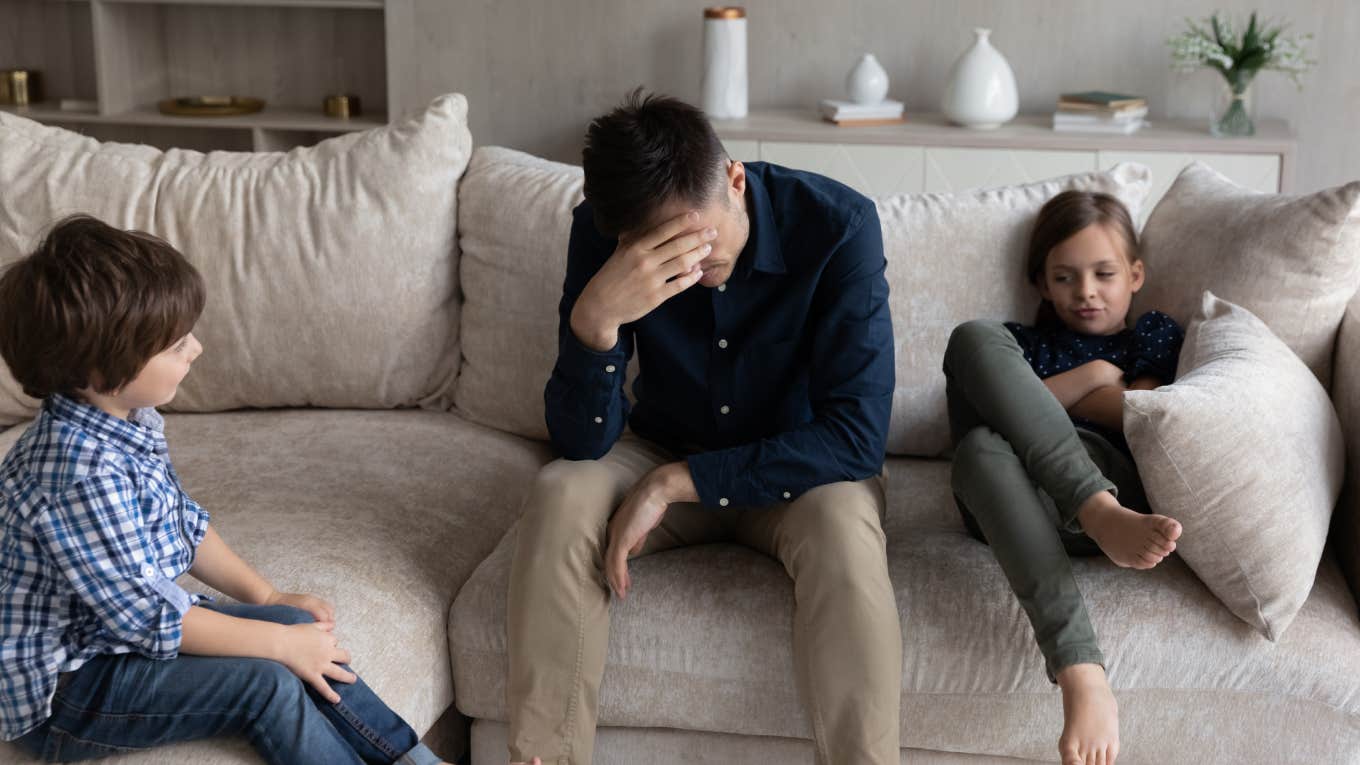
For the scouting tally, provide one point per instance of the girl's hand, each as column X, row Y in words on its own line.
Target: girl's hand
column 313, row 653
column 320, row 610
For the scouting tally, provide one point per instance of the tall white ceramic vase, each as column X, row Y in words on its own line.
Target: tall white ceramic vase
column 723, row 86
column 981, row 89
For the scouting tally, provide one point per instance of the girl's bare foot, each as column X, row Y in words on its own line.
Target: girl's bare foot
column 1130, row 539
column 1090, row 717
column 535, row 761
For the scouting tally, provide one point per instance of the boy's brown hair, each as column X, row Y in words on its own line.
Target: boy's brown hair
column 1062, row 217
column 92, row 305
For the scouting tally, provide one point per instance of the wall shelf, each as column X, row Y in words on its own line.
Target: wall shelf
column 126, row 55
column 927, row 154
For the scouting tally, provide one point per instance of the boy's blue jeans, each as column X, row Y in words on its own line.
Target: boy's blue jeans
column 124, row 702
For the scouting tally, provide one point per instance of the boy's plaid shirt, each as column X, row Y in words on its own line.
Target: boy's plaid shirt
column 94, row 529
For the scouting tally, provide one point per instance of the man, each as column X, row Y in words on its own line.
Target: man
column 755, row 297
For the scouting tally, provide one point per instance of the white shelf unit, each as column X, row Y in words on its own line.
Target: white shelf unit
column 927, row 154
column 127, row 55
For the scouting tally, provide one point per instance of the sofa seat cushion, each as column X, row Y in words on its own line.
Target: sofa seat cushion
column 703, row 643
column 384, row 513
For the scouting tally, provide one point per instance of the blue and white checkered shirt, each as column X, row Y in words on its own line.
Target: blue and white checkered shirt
column 94, row 529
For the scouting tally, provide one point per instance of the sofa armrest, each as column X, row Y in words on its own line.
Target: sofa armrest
column 1345, row 534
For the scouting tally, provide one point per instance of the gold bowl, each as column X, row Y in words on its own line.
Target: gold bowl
column 210, row 106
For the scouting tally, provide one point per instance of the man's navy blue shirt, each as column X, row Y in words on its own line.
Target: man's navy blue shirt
column 779, row 381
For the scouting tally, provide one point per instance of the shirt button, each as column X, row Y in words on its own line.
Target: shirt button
column 722, row 343
column 148, row 571
column 599, row 420
column 723, row 502
column 725, row 409
column 722, row 287
column 787, row 495
column 610, row 369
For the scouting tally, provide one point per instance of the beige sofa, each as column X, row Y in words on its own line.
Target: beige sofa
column 398, row 501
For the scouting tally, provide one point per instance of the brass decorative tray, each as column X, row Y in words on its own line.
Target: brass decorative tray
column 210, row 106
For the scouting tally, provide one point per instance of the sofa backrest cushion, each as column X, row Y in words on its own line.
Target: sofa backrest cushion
column 331, row 270
column 951, row 257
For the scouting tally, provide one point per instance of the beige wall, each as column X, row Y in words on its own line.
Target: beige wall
column 536, row 71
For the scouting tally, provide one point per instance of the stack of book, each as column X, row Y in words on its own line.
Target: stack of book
column 847, row 113
column 1096, row 111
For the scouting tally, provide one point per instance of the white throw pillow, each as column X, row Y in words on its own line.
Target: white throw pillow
column 1246, row 451
column 331, row 271
column 1293, row 261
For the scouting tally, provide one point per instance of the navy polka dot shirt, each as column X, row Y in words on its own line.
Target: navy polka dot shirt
column 1150, row 349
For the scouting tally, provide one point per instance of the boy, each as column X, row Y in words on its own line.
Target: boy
column 100, row 650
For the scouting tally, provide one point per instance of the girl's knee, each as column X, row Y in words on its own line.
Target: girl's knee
column 974, row 334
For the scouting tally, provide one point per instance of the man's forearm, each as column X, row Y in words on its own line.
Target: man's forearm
column 218, row 566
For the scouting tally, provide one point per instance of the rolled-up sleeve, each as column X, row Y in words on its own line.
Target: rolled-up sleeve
column 93, row 533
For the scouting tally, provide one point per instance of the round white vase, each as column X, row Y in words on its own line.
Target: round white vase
column 981, row 90
column 867, row 82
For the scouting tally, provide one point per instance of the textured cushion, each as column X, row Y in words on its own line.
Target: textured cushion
column 955, row 257
column 1346, row 395
column 1246, row 452
column 331, row 270
column 515, row 219
column 384, row 513
column 664, row 746
column 1292, row 261
column 703, row 643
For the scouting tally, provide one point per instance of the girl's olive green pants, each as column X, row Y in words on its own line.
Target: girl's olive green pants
column 1021, row 470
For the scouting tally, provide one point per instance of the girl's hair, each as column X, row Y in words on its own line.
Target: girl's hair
column 1063, row 216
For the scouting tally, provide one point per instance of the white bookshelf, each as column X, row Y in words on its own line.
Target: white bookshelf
column 127, row 55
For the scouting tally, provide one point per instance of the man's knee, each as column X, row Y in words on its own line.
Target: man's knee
column 837, row 524
column 570, row 500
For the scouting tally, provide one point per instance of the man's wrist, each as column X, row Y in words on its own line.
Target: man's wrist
column 595, row 335
column 678, row 482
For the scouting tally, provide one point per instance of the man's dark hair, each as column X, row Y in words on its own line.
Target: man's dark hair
column 92, row 305
column 649, row 150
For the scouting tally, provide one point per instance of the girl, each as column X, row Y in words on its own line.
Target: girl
column 1041, row 470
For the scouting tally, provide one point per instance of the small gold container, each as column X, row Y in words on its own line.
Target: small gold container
column 342, row 106
column 20, row 87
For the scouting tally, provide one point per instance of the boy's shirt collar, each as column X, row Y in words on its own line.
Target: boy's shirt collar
column 142, row 433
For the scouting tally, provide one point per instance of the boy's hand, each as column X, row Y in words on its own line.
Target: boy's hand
column 320, row 610
column 313, row 653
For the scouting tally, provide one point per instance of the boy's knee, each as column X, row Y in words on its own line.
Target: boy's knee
column 270, row 682
column 288, row 615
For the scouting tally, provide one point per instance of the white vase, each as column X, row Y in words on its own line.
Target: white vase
column 867, row 82
column 981, row 90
